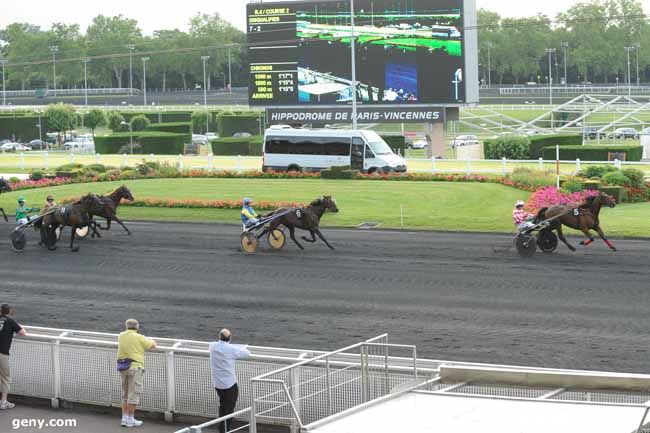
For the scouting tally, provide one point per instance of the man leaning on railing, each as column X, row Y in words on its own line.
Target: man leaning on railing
column 130, row 363
column 223, row 356
column 8, row 328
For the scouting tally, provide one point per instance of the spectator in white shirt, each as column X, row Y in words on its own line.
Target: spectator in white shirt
column 223, row 356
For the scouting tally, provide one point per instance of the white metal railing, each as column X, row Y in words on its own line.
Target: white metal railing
column 69, row 92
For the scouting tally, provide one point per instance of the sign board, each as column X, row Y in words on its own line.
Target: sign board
column 364, row 115
column 408, row 53
column 613, row 156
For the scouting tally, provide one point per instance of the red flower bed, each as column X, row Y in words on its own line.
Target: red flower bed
column 197, row 204
column 551, row 196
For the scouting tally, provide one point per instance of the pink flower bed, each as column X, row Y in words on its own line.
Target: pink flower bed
column 551, row 196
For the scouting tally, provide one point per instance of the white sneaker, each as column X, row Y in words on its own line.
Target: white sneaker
column 6, row 405
column 123, row 422
column 133, row 423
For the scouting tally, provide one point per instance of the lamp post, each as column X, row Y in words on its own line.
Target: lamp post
column 229, row 72
column 85, row 60
column 3, row 62
column 130, row 47
column 489, row 65
column 550, row 52
column 54, row 49
column 205, row 92
column 638, row 77
column 565, row 46
column 144, row 78
column 629, row 79
column 354, row 67
column 130, row 131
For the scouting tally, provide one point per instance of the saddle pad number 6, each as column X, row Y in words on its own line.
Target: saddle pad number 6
column 298, row 213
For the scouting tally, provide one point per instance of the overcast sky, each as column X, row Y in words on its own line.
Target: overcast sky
column 46, row 12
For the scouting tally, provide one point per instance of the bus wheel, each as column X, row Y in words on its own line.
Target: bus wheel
column 293, row 168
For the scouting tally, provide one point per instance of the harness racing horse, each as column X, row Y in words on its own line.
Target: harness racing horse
column 307, row 218
column 107, row 208
column 4, row 187
column 584, row 218
column 75, row 216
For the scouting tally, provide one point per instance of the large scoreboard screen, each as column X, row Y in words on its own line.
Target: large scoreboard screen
column 407, row 52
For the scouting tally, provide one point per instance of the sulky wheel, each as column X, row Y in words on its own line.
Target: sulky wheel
column 277, row 239
column 526, row 245
column 547, row 241
column 18, row 240
column 82, row 232
column 249, row 242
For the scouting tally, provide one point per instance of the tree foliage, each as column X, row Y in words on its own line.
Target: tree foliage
column 94, row 118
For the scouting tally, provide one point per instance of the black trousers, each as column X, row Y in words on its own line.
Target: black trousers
column 227, row 401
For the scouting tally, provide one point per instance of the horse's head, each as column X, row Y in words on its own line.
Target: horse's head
column 4, row 185
column 329, row 203
column 126, row 193
column 606, row 200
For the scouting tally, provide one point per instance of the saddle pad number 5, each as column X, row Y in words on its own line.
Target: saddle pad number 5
column 576, row 212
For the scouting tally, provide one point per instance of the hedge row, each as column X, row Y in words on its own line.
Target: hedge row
column 229, row 123
column 23, row 127
column 538, row 143
column 594, row 153
column 159, row 143
column 244, row 146
column 175, row 127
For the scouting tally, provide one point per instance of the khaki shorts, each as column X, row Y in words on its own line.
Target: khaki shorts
column 132, row 385
column 5, row 373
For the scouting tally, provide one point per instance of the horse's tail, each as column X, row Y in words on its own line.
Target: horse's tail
column 541, row 215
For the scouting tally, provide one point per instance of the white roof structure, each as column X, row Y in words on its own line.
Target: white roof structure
column 424, row 411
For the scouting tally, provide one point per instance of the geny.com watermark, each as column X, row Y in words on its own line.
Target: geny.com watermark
column 18, row 423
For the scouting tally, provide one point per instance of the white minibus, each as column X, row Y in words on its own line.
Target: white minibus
column 318, row 149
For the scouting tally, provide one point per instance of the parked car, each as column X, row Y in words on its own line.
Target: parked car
column 625, row 133
column 79, row 144
column 646, row 131
column 211, row 135
column 14, row 147
column 591, row 133
column 4, row 142
column 464, row 140
column 38, row 145
column 199, row 139
column 419, row 144
column 242, row 134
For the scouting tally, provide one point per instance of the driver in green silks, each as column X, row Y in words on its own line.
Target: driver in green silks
column 22, row 212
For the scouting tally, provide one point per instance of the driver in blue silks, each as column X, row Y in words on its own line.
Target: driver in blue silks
column 248, row 215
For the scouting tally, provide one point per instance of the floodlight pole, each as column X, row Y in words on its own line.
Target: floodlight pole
column 638, row 78
column 54, row 49
column 4, row 88
column 131, row 47
column 489, row 71
column 354, row 67
column 229, row 72
column 550, row 52
column 629, row 79
column 565, row 45
column 85, row 60
column 144, row 78
column 205, row 93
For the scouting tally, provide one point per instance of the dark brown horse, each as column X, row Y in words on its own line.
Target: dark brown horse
column 4, row 187
column 75, row 216
column 584, row 217
column 307, row 218
column 108, row 209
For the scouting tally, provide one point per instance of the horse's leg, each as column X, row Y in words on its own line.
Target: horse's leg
column 313, row 237
column 322, row 238
column 92, row 224
column 292, row 233
column 589, row 240
column 73, row 232
column 602, row 236
column 51, row 236
column 119, row 221
column 4, row 215
column 560, row 235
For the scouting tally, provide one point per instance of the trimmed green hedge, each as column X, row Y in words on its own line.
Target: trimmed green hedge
column 508, row 146
column 396, row 142
column 244, row 146
column 176, row 116
column 159, row 143
column 175, row 127
column 128, row 115
column 229, row 124
column 23, row 126
column 594, row 153
column 538, row 143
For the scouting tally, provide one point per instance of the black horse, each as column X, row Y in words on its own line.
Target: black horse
column 307, row 218
column 4, row 187
column 107, row 208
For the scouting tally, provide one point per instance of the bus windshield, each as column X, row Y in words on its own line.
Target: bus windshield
column 377, row 144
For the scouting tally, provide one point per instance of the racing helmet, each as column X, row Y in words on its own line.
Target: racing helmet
column 21, row 199
column 519, row 203
column 50, row 198
column 247, row 200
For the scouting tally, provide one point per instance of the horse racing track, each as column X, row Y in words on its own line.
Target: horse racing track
column 451, row 294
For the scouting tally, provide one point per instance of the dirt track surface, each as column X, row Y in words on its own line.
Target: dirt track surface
column 451, row 294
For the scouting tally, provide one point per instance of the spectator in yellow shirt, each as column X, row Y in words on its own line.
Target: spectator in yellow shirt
column 130, row 363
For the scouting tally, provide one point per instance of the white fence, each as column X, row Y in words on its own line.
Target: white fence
column 51, row 160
